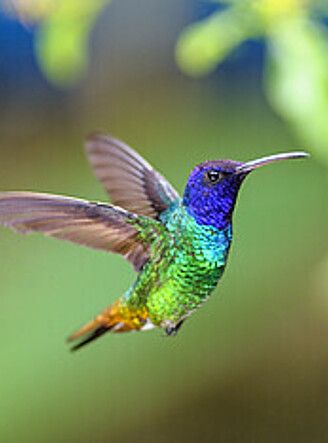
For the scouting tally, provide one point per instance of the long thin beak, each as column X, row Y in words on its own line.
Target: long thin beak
column 249, row 166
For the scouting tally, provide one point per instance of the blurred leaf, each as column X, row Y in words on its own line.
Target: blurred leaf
column 63, row 38
column 297, row 80
column 205, row 44
column 272, row 12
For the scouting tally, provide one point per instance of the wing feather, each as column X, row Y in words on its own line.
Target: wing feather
column 129, row 180
column 95, row 225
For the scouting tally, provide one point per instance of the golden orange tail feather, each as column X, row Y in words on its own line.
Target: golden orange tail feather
column 89, row 338
column 116, row 318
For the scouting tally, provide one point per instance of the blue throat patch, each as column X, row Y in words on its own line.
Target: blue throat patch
column 211, row 206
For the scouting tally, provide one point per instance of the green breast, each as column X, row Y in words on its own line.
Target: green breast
column 187, row 262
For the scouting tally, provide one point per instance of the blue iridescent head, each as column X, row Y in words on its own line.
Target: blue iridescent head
column 212, row 188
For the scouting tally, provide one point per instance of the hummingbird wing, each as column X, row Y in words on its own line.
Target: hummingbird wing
column 129, row 180
column 96, row 225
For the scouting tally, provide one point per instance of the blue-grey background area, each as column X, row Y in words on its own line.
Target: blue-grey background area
column 252, row 364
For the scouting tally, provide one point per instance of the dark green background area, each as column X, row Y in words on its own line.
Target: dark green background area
column 252, row 364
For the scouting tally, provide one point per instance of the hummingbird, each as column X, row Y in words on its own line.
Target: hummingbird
column 178, row 246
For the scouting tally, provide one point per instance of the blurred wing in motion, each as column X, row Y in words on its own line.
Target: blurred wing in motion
column 129, row 180
column 96, row 225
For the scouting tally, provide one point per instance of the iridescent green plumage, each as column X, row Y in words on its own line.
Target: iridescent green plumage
column 178, row 246
column 186, row 262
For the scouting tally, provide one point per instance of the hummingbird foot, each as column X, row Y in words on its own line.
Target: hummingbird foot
column 171, row 331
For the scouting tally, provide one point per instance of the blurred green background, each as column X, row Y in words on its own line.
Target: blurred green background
column 252, row 364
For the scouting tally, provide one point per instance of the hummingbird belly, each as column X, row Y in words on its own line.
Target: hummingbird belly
column 183, row 290
column 187, row 264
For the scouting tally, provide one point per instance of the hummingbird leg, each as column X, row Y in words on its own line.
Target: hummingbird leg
column 171, row 331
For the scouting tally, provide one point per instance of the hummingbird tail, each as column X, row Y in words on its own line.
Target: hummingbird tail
column 98, row 332
column 116, row 318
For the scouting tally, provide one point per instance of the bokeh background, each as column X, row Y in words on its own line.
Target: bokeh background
column 252, row 364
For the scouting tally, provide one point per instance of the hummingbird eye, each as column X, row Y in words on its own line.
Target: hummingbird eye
column 213, row 176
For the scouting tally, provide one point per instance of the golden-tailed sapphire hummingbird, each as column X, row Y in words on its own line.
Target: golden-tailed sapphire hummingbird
column 178, row 246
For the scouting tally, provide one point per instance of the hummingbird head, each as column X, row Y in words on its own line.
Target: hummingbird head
column 212, row 188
